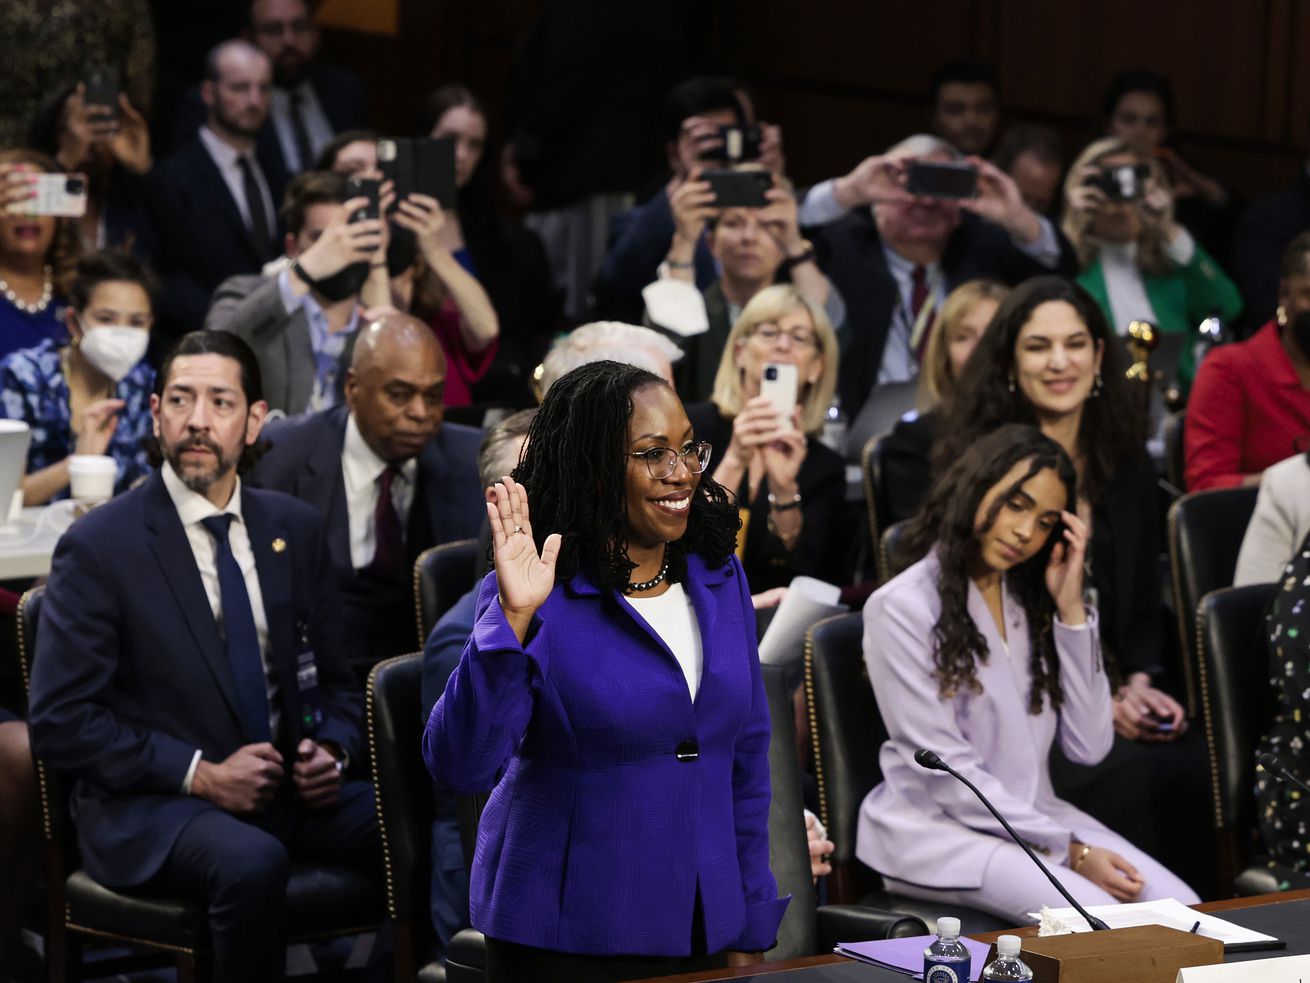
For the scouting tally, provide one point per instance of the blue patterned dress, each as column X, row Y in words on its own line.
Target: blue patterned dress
column 33, row 389
column 1284, row 812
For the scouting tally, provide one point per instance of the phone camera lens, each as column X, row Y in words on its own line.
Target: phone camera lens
column 771, row 373
column 75, row 186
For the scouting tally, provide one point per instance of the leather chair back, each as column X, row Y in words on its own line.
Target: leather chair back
column 891, row 560
column 789, row 855
column 876, row 501
column 57, row 828
column 442, row 575
column 846, row 732
column 404, row 799
column 1237, row 704
column 1205, row 535
column 1175, row 463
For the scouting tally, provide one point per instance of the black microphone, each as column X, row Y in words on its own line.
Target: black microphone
column 1274, row 766
column 931, row 761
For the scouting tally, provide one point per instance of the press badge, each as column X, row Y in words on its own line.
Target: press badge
column 311, row 702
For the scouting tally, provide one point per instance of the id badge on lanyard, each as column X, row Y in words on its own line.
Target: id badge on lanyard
column 311, row 700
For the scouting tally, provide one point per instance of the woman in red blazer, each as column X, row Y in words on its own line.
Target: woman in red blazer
column 611, row 692
column 1250, row 405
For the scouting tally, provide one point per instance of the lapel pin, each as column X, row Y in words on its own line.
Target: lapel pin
column 279, row 545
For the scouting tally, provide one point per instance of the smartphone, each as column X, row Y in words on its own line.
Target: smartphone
column 941, row 179
column 366, row 187
column 780, row 385
column 421, row 165
column 102, row 88
column 734, row 145
column 62, row 195
column 1124, row 183
column 739, row 189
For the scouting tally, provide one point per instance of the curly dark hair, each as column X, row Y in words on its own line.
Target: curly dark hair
column 947, row 521
column 1111, row 429
column 66, row 247
column 574, row 468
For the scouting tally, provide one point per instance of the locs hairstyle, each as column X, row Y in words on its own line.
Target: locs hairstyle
column 574, row 469
column 1110, row 430
column 947, row 519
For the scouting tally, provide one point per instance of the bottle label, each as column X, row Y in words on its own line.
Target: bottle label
column 942, row 973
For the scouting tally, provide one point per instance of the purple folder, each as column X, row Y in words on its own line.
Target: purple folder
column 906, row 955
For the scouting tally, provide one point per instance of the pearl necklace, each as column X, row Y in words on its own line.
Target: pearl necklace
column 653, row 582
column 47, row 293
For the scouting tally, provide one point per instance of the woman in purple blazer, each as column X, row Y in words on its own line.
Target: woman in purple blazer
column 984, row 652
column 611, row 692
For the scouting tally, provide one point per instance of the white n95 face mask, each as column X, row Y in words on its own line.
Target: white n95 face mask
column 114, row 349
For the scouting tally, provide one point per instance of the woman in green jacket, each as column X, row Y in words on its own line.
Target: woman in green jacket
column 1136, row 260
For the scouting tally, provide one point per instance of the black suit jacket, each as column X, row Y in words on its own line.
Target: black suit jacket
column 130, row 676
column 339, row 92
column 305, row 461
column 201, row 239
column 851, row 254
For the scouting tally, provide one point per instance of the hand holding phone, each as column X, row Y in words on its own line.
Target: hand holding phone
column 739, row 189
column 60, row 195
column 780, row 385
column 364, row 187
column 950, row 180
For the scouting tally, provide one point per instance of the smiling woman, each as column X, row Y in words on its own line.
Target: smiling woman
column 612, row 680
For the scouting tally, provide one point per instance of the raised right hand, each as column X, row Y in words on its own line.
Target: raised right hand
column 343, row 243
column 96, row 427
column 525, row 579
column 16, row 184
column 873, row 180
column 692, row 203
column 1084, row 197
column 245, row 782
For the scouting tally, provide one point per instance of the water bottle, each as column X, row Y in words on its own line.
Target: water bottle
column 946, row 960
column 1007, row 965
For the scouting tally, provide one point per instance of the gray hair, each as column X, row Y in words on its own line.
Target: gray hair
column 496, row 455
column 612, row 340
column 922, row 145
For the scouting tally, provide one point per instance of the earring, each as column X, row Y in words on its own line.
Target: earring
column 1281, row 315
column 1011, row 383
column 1097, row 385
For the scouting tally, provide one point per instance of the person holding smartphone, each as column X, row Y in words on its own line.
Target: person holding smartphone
column 1135, row 258
column 789, row 486
column 108, row 141
column 985, row 651
column 37, row 256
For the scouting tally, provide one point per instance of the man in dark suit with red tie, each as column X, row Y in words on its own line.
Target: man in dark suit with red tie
column 187, row 675
column 389, row 476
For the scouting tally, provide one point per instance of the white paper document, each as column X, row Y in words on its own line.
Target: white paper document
column 1169, row 912
column 1284, row 969
column 807, row 601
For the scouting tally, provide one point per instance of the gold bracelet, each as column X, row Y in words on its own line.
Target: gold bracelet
column 1081, row 857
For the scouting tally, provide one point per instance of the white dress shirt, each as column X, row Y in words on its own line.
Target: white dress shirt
column 360, row 469
column 225, row 158
column 900, row 360
column 191, row 508
column 1124, row 287
column 672, row 617
column 317, row 126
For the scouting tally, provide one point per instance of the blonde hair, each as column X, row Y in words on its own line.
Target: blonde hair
column 1153, row 238
column 935, row 379
column 769, row 305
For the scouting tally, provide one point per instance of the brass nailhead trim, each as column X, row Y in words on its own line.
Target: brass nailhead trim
column 1208, row 716
column 1184, row 628
column 371, row 709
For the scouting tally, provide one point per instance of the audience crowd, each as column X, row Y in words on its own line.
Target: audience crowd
column 307, row 373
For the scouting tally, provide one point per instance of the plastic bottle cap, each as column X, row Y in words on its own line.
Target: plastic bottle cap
column 946, row 925
column 1007, row 945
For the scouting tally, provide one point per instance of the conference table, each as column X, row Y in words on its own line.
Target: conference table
column 28, row 543
column 1285, row 915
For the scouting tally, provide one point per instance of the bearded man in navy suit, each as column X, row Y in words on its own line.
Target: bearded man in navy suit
column 187, row 675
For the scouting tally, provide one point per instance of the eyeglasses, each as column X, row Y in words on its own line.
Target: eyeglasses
column 770, row 333
column 661, row 461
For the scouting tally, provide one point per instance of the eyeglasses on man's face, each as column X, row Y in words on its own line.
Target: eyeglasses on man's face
column 661, row 461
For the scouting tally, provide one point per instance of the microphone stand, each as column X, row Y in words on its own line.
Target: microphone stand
column 932, row 761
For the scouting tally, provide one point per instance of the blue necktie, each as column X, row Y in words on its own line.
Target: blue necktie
column 240, row 637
